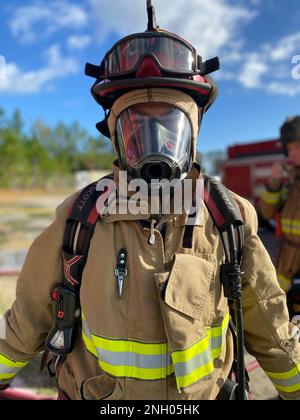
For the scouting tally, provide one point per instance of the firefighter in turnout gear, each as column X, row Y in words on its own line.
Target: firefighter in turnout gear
column 136, row 305
column 284, row 198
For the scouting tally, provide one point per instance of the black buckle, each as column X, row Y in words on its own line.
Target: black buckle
column 231, row 280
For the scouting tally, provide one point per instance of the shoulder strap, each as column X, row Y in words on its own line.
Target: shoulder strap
column 226, row 216
column 228, row 220
column 79, row 230
column 80, row 226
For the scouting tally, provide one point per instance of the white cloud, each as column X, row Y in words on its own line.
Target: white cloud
column 208, row 25
column 287, row 89
column 252, row 71
column 79, row 42
column 28, row 82
column 269, row 68
column 2, row 68
column 285, row 47
column 40, row 18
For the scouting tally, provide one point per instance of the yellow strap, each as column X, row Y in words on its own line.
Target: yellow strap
column 196, row 375
column 285, row 375
column 4, row 376
column 288, row 389
column 284, row 282
column 129, row 345
column 271, row 197
column 4, row 360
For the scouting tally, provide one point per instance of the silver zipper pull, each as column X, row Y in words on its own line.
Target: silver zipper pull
column 121, row 270
column 151, row 239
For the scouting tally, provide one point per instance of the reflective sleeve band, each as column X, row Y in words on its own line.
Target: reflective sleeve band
column 284, row 194
column 286, row 381
column 9, row 368
column 291, row 226
column 284, row 282
column 196, row 362
column 153, row 361
column 271, row 197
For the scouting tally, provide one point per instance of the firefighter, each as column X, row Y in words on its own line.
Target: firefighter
column 284, row 198
column 151, row 312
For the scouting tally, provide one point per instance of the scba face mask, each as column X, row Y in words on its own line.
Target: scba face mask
column 154, row 141
column 154, row 132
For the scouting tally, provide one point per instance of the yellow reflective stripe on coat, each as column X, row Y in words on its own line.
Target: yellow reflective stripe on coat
column 129, row 358
column 154, row 361
column 284, row 282
column 291, row 226
column 9, row 368
column 271, row 197
column 196, row 362
column 286, row 381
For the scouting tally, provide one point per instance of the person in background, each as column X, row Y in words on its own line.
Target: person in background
column 282, row 198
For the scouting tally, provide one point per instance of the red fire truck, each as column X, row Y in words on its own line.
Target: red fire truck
column 248, row 167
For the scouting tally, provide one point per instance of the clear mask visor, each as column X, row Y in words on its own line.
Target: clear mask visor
column 153, row 131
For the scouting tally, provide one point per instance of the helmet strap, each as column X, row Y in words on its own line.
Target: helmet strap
column 102, row 126
column 152, row 23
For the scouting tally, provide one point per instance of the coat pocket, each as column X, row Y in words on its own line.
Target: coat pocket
column 101, row 387
column 187, row 300
column 186, row 294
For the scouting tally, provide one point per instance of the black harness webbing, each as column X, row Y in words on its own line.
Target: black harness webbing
column 80, row 226
column 228, row 220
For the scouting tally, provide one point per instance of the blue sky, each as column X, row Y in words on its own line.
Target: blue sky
column 47, row 43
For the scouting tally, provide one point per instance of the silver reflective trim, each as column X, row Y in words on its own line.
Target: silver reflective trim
column 295, row 380
column 185, row 368
column 216, row 342
column 5, row 369
column 86, row 330
column 134, row 359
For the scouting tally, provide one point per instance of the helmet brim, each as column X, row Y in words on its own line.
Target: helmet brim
column 107, row 92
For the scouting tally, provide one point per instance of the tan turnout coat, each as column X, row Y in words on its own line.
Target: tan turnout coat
column 143, row 346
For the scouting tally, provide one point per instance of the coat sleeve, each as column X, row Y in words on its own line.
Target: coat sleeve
column 24, row 328
column 269, row 336
column 272, row 199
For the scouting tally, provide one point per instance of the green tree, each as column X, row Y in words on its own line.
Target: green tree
column 47, row 156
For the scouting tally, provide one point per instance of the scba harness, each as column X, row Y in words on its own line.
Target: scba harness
column 80, row 225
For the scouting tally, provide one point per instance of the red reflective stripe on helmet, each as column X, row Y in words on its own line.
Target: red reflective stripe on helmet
column 104, row 91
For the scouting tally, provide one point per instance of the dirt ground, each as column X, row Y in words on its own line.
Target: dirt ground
column 22, row 217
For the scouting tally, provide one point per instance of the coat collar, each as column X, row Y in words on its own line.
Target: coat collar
column 108, row 216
